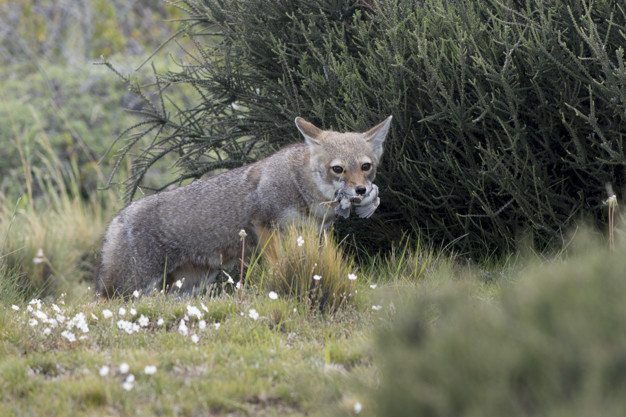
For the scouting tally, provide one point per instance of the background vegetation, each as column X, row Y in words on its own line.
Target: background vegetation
column 417, row 329
column 508, row 115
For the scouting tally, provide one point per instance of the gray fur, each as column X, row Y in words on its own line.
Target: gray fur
column 192, row 231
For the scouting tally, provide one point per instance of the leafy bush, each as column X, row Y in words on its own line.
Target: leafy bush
column 552, row 346
column 509, row 116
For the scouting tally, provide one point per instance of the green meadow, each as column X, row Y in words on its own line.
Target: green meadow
column 416, row 330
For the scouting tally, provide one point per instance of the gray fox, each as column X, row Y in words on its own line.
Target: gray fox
column 191, row 232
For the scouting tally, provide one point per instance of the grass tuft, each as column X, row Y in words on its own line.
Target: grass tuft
column 309, row 265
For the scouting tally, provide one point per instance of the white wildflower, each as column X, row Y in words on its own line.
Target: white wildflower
column 41, row 315
column 133, row 312
column 47, row 331
column 357, row 407
column 122, row 311
column 205, row 308
column 317, row 277
column 254, row 315
column 15, row 308
column 56, row 308
column 69, row 336
column 60, row 318
column 129, row 382
column 143, row 321
column 182, row 328
column 80, row 322
column 107, row 314
column 202, row 325
column 150, row 370
column 373, row 286
column 136, row 294
column 194, row 311
column 217, row 325
column 127, row 326
column 376, row 307
column 32, row 322
column 195, row 338
column 242, row 233
column 39, row 258
column 93, row 316
column 300, row 241
column 273, row 295
column 104, row 371
column 160, row 321
column 351, row 277
column 178, row 284
column 124, row 368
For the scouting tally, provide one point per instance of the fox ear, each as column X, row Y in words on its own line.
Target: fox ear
column 310, row 132
column 376, row 135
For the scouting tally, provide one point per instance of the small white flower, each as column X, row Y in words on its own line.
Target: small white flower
column 377, row 307
column 273, row 295
column 351, row 277
column 104, row 371
column 195, row 338
column 230, row 280
column 122, row 311
column 182, row 328
column 136, row 294
column 41, row 315
column 373, row 286
column 107, row 314
column 32, row 322
column 238, row 285
column 129, row 382
column 56, row 308
column 69, row 336
column 124, row 368
column 178, row 283
column 300, row 241
column 149, row 370
column 160, row 321
column 317, row 277
column 242, row 233
column 143, row 321
column 127, row 326
column 254, row 315
column 357, row 407
column 60, row 318
column 217, row 325
column 205, row 308
column 133, row 312
column 15, row 308
column 47, row 331
column 202, row 325
column 194, row 311
column 93, row 316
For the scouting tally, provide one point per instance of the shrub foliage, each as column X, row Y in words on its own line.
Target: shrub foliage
column 549, row 347
column 509, row 115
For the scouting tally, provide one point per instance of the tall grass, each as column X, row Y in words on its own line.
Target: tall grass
column 50, row 230
column 306, row 263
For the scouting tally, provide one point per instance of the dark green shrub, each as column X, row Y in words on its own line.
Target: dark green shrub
column 553, row 346
column 509, row 116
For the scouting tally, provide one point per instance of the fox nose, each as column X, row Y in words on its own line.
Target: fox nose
column 360, row 190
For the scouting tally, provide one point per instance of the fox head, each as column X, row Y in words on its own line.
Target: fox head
column 344, row 160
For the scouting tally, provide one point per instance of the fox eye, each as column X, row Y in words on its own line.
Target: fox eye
column 337, row 169
column 366, row 166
